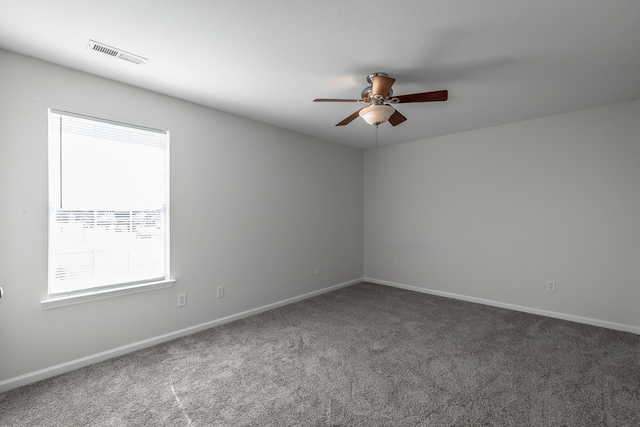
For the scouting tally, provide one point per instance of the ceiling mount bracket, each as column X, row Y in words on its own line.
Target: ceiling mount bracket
column 372, row 75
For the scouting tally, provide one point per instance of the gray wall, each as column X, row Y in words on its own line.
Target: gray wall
column 254, row 208
column 490, row 215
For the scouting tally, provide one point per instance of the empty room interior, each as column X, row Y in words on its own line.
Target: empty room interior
column 448, row 235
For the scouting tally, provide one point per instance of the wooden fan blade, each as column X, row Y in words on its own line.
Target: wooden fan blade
column 335, row 100
column 349, row 119
column 438, row 95
column 381, row 85
column 396, row 118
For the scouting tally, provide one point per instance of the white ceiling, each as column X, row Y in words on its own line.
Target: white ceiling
column 501, row 60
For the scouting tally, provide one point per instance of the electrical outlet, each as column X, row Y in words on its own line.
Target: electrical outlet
column 551, row 286
column 182, row 300
column 395, row 265
column 220, row 291
column 317, row 270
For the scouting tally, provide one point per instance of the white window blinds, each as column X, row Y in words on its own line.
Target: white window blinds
column 109, row 201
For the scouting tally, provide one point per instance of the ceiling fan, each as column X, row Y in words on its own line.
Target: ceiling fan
column 379, row 96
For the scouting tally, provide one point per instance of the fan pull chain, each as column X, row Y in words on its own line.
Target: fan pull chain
column 377, row 124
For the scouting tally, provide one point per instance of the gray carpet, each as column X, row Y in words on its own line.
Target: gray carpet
column 365, row 355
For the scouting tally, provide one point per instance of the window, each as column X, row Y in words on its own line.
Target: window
column 108, row 205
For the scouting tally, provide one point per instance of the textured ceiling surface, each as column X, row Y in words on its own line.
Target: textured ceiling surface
column 501, row 60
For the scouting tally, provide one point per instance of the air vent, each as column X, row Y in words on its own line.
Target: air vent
column 116, row 53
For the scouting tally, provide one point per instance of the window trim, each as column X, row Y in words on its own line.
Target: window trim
column 53, row 301
column 78, row 298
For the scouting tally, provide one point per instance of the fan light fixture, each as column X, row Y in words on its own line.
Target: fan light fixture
column 376, row 114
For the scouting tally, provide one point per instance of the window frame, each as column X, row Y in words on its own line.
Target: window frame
column 93, row 293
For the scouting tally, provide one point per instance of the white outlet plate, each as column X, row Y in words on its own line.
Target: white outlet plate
column 182, row 300
column 551, row 286
column 317, row 270
column 395, row 265
column 220, row 292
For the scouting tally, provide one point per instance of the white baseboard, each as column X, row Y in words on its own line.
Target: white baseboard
column 556, row 315
column 72, row 365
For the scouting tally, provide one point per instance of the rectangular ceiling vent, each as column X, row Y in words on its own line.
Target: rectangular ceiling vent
column 116, row 53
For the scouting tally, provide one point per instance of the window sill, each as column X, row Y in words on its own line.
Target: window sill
column 57, row 302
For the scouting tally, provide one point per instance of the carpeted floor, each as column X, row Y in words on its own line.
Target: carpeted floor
column 365, row 355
